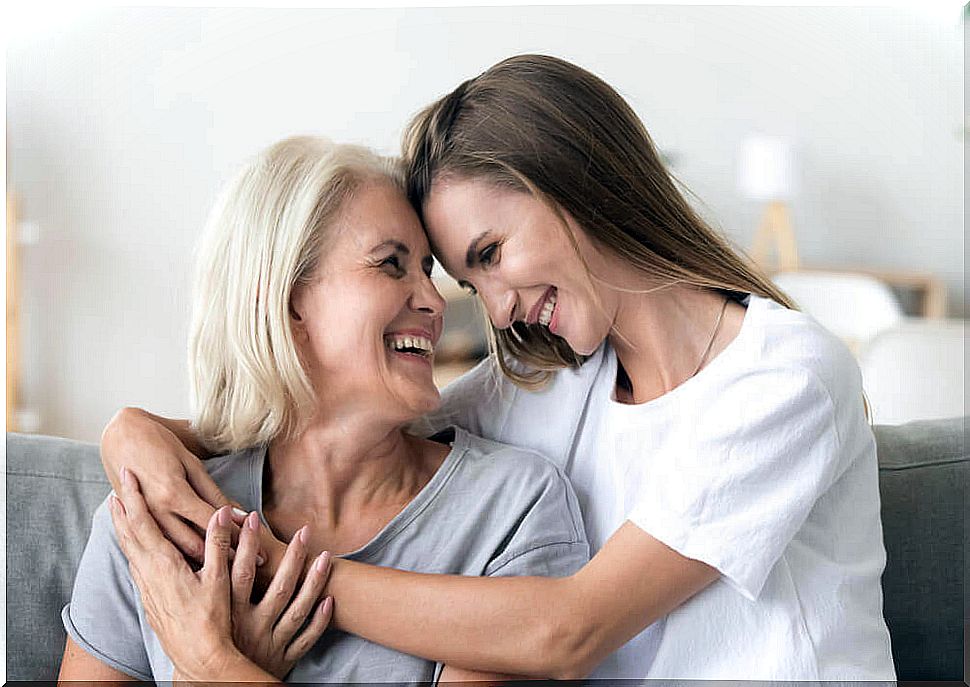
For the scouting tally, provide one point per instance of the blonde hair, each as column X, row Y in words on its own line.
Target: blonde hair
column 546, row 127
column 265, row 236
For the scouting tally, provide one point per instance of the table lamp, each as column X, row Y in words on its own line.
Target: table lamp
column 766, row 173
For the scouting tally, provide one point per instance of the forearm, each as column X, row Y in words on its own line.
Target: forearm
column 182, row 429
column 520, row 625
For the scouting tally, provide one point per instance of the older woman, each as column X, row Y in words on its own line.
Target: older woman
column 312, row 343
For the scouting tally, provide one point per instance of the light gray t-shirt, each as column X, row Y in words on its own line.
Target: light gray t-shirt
column 490, row 509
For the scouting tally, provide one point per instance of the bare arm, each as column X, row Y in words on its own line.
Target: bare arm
column 162, row 453
column 541, row 627
column 78, row 664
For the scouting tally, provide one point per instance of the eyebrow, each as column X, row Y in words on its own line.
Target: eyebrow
column 471, row 255
column 397, row 245
column 427, row 262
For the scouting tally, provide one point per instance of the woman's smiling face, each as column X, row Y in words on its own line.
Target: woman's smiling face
column 367, row 323
column 513, row 250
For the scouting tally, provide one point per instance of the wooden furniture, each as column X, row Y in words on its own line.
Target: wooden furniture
column 775, row 235
column 13, row 316
column 924, row 293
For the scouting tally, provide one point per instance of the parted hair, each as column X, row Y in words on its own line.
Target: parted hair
column 547, row 127
column 264, row 236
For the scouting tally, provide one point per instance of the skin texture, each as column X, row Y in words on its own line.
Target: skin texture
column 533, row 626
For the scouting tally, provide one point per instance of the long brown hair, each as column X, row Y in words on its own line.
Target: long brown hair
column 544, row 126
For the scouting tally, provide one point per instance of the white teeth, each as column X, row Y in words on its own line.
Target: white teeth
column 545, row 316
column 419, row 344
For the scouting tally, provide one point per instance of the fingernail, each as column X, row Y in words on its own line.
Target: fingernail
column 239, row 511
column 223, row 516
column 259, row 560
column 322, row 562
column 119, row 504
column 252, row 521
column 302, row 534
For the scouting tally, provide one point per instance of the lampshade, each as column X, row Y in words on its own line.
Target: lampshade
column 766, row 168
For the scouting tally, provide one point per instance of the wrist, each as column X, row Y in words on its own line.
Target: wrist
column 220, row 663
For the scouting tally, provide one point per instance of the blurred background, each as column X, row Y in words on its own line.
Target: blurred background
column 826, row 142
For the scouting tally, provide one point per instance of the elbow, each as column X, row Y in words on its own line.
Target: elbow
column 569, row 649
column 121, row 423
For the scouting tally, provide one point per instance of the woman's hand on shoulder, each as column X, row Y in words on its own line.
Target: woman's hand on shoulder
column 177, row 489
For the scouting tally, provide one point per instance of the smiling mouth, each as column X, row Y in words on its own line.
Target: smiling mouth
column 409, row 344
column 545, row 315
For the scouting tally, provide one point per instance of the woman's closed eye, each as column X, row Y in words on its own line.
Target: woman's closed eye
column 392, row 265
column 488, row 255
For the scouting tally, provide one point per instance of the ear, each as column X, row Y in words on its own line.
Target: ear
column 296, row 306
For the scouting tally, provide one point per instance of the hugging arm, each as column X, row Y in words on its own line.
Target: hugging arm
column 534, row 626
column 165, row 454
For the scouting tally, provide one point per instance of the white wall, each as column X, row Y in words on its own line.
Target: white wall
column 122, row 124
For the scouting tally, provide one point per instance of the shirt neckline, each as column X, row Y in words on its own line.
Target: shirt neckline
column 753, row 309
column 399, row 522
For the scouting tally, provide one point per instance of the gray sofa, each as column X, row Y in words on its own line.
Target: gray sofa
column 54, row 485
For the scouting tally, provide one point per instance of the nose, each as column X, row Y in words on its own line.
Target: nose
column 500, row 305
column 426, row 298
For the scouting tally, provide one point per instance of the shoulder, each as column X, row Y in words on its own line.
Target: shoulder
column 520, row 478
column 794, row 356
column 787, row 377
column 507, row 461
column 239, row 475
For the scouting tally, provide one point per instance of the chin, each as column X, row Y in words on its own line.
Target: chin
column 423, row 400
column 585, row 345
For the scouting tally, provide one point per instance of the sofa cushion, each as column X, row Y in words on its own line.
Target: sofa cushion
column 923, row 471
column 53, row 488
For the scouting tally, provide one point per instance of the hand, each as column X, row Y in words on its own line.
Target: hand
column 268, row 632
column 178, row 490
column 189, row 611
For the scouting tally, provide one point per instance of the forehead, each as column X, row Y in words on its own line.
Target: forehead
column 377, row 212
column 457, row 210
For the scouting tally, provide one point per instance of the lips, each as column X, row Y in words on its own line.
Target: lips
column 536, row 310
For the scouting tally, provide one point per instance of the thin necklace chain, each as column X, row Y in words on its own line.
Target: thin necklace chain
column 717, row 326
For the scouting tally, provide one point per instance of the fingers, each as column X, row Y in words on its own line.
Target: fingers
column 203, row 484
column 184, row 502
column 281, row 587
column 312, row 632
column 129, row 545
column 141, row 526
column 183, row 535
column 298, row 611
column 244, row 565
column 218, row 540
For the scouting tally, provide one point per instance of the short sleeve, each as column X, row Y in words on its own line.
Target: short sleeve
column 102, row 617
column 547, row 538
column 740, row 482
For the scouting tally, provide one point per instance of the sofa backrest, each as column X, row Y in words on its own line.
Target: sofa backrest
column 923, row 472
column 53, row 488
column 54, row 485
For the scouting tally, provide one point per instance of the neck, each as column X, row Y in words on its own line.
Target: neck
column 339, row 468
column 661, row 336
